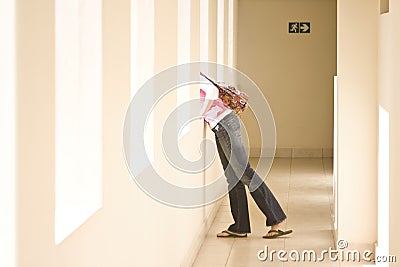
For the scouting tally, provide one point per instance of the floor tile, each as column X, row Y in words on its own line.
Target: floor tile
column 303, row 187
column 213, row 254
column 247, row 255
column 199, row 264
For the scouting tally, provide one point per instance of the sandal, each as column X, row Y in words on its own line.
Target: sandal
column 277, row 233
column 227, row 233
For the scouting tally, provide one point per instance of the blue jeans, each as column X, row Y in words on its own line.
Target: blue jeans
column 239, row 173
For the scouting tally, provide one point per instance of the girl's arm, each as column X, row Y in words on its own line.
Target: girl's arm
column 208, row 93
column 206, row 106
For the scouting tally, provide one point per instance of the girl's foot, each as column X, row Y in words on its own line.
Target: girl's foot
column 227, row 233
column 276, row 232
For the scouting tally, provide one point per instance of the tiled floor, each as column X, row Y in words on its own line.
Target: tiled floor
column 304, row 189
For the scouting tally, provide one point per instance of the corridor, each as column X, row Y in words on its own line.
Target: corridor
column 303, row 186
column 105, row 160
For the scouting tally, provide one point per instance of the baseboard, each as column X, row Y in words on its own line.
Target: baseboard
column 293, row 152
column 190, row 255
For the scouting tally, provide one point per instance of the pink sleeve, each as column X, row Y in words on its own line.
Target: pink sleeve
column 202, row 93
column 202, row 96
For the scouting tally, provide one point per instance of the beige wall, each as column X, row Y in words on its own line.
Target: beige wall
column 389, row 99
column 357, row 121
column 368, row 63
column 130, row 229
column 35, row 79
column 295, row 72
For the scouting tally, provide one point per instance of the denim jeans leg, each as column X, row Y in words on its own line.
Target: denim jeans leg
column 268, row 204
column 237, row 165
column 237, row 196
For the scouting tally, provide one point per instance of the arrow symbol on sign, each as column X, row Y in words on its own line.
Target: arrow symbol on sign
column 304, row 27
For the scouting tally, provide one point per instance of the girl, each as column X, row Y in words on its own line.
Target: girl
column 220, row 104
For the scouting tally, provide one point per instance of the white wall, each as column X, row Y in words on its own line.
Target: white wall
column 389, row 100
column 130, row 229
column 368, row 67
column 7, row 133
column 357, row 121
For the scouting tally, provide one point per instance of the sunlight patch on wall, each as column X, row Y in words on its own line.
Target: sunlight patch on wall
column 183, row 92
column 7, row 133
column 383, row 184
column 79, row 96
column 142, row 60
column 230, row 33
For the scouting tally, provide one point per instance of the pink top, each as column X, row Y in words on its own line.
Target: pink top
column 217, row 110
